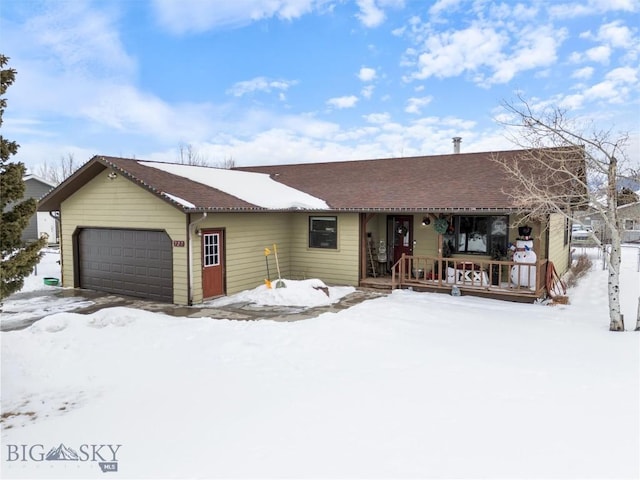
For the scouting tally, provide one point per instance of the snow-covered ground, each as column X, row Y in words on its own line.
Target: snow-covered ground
column 37, row 299
column 408, row 385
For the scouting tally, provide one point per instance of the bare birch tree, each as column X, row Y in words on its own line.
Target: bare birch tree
column 549, row 177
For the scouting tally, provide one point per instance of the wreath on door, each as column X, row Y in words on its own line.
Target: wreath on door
column 401, row 230
column 441, row 225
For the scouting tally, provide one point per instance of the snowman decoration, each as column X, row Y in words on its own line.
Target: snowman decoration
column 524, row 275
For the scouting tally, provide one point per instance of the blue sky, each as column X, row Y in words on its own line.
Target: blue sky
column 291, row 81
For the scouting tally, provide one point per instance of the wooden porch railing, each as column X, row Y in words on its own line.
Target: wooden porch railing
column 471, row 273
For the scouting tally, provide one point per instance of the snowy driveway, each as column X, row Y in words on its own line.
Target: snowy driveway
column 23, row 309
column 37, row 300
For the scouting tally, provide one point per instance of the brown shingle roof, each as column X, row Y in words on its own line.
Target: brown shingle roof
column 156, row 180
column 468, row 181
column 456, row 181
column 152, row 179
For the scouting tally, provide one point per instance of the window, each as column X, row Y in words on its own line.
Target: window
column 323, row 232
column 475, row 234
column 628, row 224
column 211, row 249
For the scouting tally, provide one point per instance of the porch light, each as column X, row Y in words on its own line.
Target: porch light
column 426, row 221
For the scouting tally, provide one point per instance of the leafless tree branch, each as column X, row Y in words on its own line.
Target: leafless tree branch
column 565, row 171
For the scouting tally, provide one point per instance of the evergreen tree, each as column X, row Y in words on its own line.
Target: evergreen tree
column 17, row 260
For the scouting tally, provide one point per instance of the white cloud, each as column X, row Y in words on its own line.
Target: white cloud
column 623, row 75
column 260, row 84
column 377, row 118
column 416, row 104
column 583, row 73
column 572, row 102
column 616, row 35
column 302, row 138
column 616, row 87
column 606, row 90
column 343, row 102
column 367, row 74
column 124, row 108
column 489, row 54
column 444, row 6
column 71, row 54
column 367, row 91
column 599, row 54
column 277, row 146
column 535, row 48
column 80, row 39
column 591, row 7
column 450, row 53
column 199, row 16
column 370, row 15
column 521, row 11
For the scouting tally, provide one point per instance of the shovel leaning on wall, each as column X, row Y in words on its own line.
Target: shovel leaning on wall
column 267, row 281
column 279, row 283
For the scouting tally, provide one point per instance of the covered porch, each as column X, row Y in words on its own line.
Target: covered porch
column 506, row 280
column 475, row 253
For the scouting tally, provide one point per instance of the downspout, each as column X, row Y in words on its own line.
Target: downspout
column 58, row 225
column 190, row 231
column 58, row 220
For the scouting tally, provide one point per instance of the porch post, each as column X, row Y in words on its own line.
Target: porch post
column 363, row 248
column 440, row 272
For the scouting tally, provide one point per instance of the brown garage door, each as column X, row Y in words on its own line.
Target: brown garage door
column 138, row 263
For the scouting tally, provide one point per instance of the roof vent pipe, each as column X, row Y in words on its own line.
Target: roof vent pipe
column 456, row 144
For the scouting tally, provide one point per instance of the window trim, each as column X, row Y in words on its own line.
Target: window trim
column 211, row 250
column 454, row 237
column 313, row 242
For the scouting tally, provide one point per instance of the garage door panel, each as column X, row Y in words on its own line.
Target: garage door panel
column 128, row 262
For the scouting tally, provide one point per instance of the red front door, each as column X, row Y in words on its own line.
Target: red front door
column 212, row 263
column 402, row 236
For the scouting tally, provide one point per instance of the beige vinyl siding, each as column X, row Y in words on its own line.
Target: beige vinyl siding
column 425, row 238
column 558, row 251
column 245, row 237
column 119, row 203
column 333, row 266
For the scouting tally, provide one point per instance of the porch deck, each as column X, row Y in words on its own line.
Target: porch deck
column 503, row 280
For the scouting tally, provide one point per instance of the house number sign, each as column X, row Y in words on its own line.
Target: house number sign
column 178, row 243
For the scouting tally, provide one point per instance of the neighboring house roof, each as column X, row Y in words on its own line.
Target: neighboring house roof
column 31, row 177
column 629, row 206
column 469, row 181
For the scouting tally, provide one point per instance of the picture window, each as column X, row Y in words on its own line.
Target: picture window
column 323, row 232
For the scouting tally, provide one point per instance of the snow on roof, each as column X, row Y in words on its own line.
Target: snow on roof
column 31, row 176
column 179, row 200
column 256, row 188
